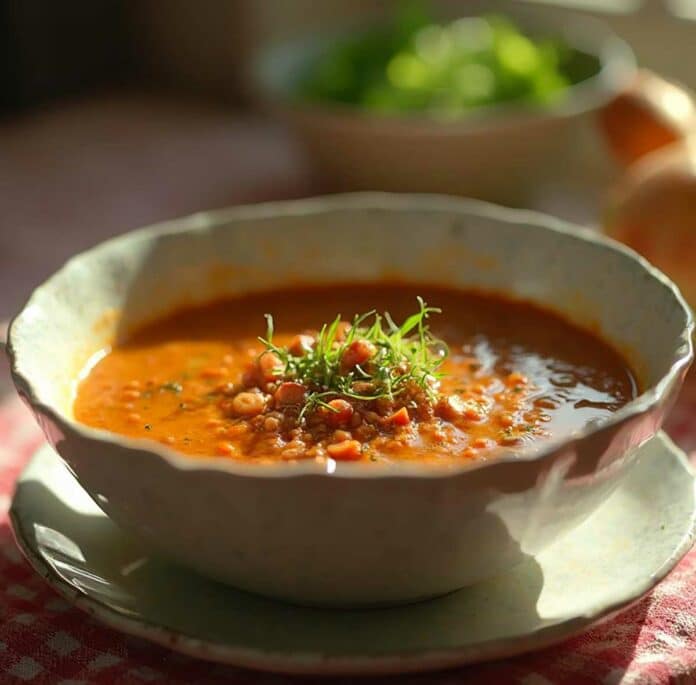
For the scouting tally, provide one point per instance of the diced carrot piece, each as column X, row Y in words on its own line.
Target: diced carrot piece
column 214, row 372
column 348, row 450
column 516, row 378
column 473, row 413
column 270, row 366
column 400, row 418
column 226, row 449
column 301, row 344
column 358, row 352
column 342, row 330
column 340, row 413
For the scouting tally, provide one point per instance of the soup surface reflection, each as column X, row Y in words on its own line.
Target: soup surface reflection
column 483, row 373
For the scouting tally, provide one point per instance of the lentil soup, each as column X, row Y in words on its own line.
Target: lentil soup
column 363, row 372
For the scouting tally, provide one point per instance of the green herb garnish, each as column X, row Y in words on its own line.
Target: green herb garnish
column 172, row 386
column 405, row 356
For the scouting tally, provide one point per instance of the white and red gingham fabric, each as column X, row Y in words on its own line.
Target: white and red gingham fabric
column 45, row 641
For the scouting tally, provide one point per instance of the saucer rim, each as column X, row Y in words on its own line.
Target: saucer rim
column 310, row 663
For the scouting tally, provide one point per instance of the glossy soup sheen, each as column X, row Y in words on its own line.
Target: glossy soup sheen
column 515, row 376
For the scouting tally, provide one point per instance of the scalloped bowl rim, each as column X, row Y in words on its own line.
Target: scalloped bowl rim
column 202, row 221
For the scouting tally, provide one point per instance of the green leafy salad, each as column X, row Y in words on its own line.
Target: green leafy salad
column 413, row 64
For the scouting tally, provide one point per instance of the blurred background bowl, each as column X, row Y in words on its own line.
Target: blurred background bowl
column 501, row 153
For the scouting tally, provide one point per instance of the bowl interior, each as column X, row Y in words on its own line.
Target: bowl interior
column 99, row 296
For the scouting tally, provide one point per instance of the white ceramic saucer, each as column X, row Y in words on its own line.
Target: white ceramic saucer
column 614, row 558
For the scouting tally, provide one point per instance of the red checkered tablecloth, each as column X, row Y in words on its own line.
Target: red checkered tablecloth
column 45, row 641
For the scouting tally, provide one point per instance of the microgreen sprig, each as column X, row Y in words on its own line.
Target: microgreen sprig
column 406, row 355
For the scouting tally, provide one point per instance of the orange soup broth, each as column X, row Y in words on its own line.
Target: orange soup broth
column 524, row 374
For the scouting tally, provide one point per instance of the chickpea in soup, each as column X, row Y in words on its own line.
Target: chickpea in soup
column 361, row 372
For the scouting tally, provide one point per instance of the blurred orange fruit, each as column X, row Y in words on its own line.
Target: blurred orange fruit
column 653, row 210
column 651, row 114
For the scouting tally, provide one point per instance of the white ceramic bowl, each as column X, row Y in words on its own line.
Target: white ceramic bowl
column 361, row 534
column 499, row 153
